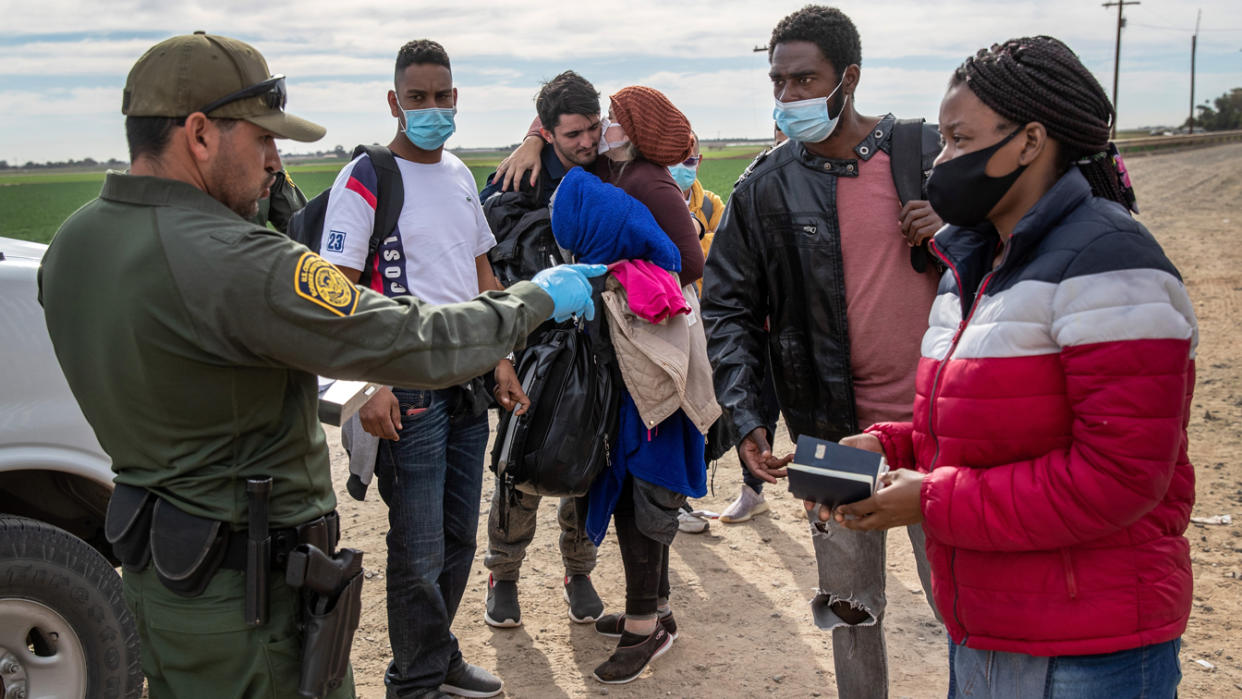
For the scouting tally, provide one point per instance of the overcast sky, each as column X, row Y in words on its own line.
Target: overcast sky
column 63, row 62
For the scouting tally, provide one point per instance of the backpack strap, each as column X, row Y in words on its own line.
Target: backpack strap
column 708, row 208
column 906, row 161
column 389, row 200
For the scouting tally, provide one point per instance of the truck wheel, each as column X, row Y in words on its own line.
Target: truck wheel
column 64, row 628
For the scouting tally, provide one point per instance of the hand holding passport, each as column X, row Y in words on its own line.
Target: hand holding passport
column 831, row 475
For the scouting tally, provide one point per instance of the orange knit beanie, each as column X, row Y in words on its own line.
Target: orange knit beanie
column 659, row 131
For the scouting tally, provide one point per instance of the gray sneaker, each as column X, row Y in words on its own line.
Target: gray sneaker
column 468, row 680
column 503, row 611
column 748, row 504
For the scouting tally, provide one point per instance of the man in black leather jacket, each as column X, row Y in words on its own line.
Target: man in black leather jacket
column 816, row 239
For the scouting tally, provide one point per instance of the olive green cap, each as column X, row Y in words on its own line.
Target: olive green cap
column 181, row 75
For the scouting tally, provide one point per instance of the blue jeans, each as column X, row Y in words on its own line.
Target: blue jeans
column 1148, row 672
column 431, row 480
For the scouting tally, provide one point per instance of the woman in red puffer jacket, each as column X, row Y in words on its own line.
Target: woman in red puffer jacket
column 1047, row 459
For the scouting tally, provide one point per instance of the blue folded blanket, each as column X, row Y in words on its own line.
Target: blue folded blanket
column 671, row 456
column 601, row 224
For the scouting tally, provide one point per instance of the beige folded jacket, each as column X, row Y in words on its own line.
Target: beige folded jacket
column 664, row 364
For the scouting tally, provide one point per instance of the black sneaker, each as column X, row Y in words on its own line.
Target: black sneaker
column 632, row 655
column 468, row 680
column 612, row 625
column 585, row 605
column 503, row 611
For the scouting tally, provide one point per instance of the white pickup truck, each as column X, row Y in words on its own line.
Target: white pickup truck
column 64, row 628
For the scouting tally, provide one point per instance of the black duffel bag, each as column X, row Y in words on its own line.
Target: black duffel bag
column 560, row 444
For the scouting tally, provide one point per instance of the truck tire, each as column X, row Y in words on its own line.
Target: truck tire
column 64, row 628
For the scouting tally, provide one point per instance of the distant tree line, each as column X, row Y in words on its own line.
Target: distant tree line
column 70, row 163
column 342, row 153
column 1223, row 114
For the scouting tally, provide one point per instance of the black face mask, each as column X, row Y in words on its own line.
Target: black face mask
column 960, row 190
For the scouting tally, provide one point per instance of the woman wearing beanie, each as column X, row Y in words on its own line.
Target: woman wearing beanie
column 649, row 135
column 642, row 135
column 1047, row 459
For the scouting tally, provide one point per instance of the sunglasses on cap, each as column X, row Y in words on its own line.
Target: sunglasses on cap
column 692, row 161
column 271, row 90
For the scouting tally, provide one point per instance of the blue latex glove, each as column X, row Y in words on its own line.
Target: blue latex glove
column 569, row 289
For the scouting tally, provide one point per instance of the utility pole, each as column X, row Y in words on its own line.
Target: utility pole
column 1194, row 40
column 1121, row 22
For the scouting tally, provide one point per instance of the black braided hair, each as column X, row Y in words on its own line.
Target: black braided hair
column 1040, row 79
column 826, row 27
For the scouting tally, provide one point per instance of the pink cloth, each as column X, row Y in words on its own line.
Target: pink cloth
column 653, row 292
column 886, row 301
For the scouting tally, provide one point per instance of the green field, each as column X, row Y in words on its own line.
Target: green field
column 33, row 205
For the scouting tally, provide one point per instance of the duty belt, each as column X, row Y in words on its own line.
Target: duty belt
column 322, row 532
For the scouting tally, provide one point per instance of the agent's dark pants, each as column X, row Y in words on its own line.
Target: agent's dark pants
column 196, row 647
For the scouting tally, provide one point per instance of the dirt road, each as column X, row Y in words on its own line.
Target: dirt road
column 741, row 591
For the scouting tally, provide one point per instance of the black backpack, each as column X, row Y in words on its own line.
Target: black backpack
column 910, row 160
column 524, row 241
column 562, row 442
column 306, row 225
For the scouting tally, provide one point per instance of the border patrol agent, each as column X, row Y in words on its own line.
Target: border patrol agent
column 191, row 338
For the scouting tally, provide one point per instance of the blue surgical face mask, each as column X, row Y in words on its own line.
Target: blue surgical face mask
column 683, row 176
column 807, row 120
column 429, row 128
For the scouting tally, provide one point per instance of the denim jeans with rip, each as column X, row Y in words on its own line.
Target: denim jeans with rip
column 431, row 480
column 852, row 575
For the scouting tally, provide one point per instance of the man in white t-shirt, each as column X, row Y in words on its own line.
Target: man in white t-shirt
column 430, row 462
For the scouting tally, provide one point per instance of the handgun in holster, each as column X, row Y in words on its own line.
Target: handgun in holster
column 331, row 588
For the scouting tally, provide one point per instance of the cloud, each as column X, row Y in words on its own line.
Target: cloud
column 59, row 56
column 59, row 101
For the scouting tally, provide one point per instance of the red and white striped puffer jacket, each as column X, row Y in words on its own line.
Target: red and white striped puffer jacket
column 1052, row 401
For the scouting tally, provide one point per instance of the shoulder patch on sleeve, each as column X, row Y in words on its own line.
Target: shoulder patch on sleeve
column 320, row 282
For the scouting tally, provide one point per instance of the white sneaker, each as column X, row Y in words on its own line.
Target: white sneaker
column 748, row 504
column 691, row 523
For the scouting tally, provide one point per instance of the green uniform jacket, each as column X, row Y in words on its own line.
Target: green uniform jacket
column 191, row 339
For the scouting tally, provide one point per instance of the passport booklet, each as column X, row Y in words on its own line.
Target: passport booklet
column 830, row 474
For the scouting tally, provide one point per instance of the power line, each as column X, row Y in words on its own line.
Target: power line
column 1179, row 29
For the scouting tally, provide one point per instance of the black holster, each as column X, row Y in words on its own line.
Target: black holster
column 331, row 598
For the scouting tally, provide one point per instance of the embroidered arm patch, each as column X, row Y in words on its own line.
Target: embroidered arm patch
column 320, row 282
